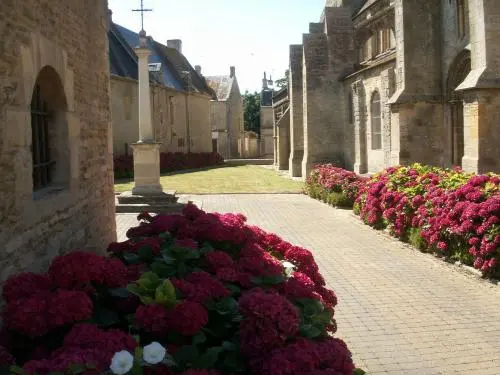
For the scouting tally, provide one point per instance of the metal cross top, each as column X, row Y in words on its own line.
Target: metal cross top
column 142, row 10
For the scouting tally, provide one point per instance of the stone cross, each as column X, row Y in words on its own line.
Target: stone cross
column 142, row 10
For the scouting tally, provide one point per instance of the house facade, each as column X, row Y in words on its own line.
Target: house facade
column 226, row 115
column 180, row 96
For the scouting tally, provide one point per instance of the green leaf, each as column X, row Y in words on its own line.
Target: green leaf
column 136, row 289
column 138, row 354
column 358, row 371
column 163, row 270
column 17, row 370
column 309, row 331
column 165, row 293
column 149, row 281
column 131, row 258
column 209, row 358
column 269, row 280
column 147, row 300
column 229, row 346
column 146, row 254
column 77, row 369
column 200, row 338
column 186, row 354
column 120, row 292
column 136, row 369
column 105, row 317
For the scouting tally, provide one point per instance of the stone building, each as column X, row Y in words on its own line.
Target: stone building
column 56, row 190
column 180, row 96
column 385, row 82
column 226, row 115
column 281, row 110
column 266, row 118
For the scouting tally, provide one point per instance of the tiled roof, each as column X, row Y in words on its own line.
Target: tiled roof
column 123, row 61
column 222, row 86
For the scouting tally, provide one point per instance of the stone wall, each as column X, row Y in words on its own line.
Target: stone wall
column 170, row 128
column 266, row 131
column 296, row 111
column 66, row 40
column 235, row 119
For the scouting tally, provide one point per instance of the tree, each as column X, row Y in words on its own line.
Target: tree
column 251, row 109
column 283, row 82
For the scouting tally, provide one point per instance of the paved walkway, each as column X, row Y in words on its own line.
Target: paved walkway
column 400, row 311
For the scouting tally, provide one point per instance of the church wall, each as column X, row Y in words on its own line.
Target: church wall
column 69, row 39
column 379, row 79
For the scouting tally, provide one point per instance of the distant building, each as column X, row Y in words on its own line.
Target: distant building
column 226, row 114
column 180, row 96
column 266, row 118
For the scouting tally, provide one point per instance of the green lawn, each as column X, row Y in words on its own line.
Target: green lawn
column 223, row 180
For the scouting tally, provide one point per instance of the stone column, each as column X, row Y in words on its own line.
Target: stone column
column 329, row 54
column 283, row 146
column 359, row 105
column 146, row 150
column 417, row 106
column 482, row 90
column 296, row 117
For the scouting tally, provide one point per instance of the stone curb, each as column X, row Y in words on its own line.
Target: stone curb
column 459, row 266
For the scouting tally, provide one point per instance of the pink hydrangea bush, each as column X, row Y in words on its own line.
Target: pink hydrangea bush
column 191, row 294
column 448, row 212
column 333, row 185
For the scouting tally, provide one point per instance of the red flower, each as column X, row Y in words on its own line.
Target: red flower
column 121, row 247
column 187, row 318
column 201, row 372
column 152, row 319
column 88, row 336
column 115, row 273
column 219, row 259
column 77, row 269
column 269, row 320
column 299, row 286
column 65, row 307
column 5, row 357
column 200, row 287
column 28, row 316
column 192, row 212
column 25, row 285
column 258, row 262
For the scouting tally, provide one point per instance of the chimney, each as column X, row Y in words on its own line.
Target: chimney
column 198, row 69
column 232, row 72
column 175, row 44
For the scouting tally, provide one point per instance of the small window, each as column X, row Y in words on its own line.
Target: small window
column 171, row 109
column 43, row 164
column 180, row 142
column 376, row 122
column 375, row 44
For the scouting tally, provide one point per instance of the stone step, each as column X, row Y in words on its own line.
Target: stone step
column 166, row 208
column 163, row 198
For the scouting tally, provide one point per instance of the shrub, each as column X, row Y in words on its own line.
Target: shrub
column 169, row 162
column 196, row 293
column 334, row 185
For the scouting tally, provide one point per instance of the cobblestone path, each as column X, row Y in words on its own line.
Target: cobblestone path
column 400, row 311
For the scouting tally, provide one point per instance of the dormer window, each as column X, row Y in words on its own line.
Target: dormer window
column 377, row 44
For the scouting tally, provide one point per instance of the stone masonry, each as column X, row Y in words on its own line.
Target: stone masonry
column 385, row 82
column 60, row 45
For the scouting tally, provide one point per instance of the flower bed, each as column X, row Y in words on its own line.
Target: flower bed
column 447, row 212
column 333, row 185
column 169, row 162
column 191, row 294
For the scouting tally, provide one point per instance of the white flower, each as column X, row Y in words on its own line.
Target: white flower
column 288, row 264
column 154, row 353
column 122, row 362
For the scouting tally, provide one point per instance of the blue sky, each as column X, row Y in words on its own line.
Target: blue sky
column 252, row 35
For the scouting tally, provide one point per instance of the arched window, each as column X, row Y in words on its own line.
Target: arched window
column 462, row 18
column 49, row 132
column 376, row 123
